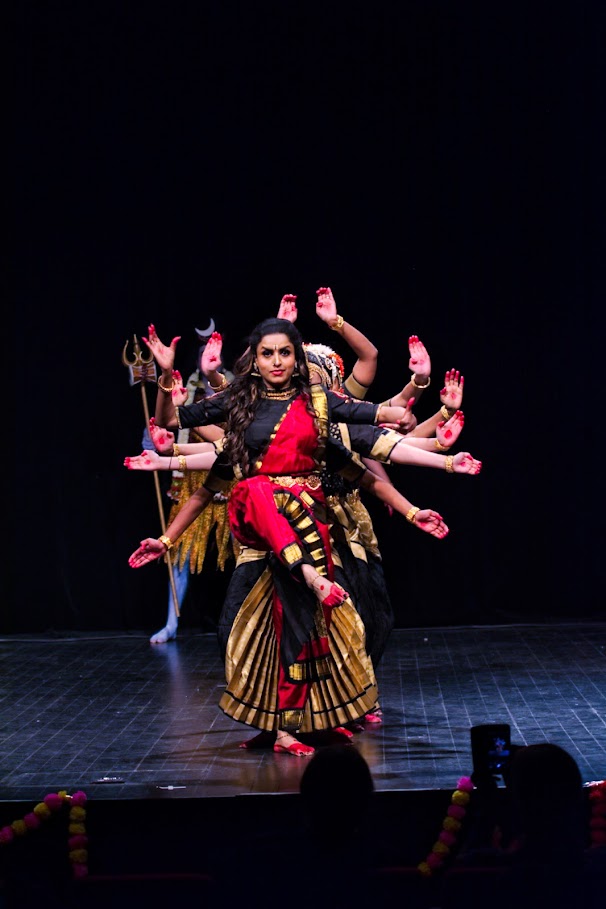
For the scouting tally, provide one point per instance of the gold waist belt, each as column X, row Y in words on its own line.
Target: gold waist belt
column 312, row 481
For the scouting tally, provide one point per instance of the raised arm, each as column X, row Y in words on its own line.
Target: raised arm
column 211, row 361
column 419, row 364
column 451, row 398
column 365, row 368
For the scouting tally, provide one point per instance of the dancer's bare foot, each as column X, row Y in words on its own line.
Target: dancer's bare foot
column 165, row 634
column 285, row 742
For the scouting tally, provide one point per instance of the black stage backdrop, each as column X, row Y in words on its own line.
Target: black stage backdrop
column 439, row 164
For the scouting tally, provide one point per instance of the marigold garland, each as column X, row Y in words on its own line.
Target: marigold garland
column 597, row 821
column 451, row 826
column 77, row 841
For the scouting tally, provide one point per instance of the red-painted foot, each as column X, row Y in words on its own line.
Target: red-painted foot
column 297, row 748
column 373, row 718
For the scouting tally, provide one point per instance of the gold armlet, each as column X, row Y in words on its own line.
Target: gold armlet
column 416, row 385
column 166, row 540
column 439, row 445
column 411, row 514
column 163, row 388
column 448, row 464
column 337, row 325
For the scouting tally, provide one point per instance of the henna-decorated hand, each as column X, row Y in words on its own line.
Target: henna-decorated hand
column 326, row 307
column 147, row 460
column 179, row 392
column 163, row 355
column 464, row 462
column 448, row 431
column 148, row 551
column 452, row 393
column 211, row 355
column 163, row 439
column 420, row 362
column 431, row 522
column 288, row 308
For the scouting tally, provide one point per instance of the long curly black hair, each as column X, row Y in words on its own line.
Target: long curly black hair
column 245, row 391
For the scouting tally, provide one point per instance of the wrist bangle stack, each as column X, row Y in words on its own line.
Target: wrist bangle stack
column 439, row 445
column 222, row 384
column 448, row 462
column 427, row 384
column 447, row 412
column 166, row 540
column 182, row 462
column 163, row 388
column 337, row 325
column 411, row 514
column 176, row 451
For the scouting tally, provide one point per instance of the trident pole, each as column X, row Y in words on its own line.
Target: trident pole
column 143, row 370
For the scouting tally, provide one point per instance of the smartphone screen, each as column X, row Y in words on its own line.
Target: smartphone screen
column 490, row 748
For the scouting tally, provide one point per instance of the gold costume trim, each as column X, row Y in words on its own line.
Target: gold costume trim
column 251, row 668
column 194, row 540
column 354, row 389
column 385, row 444
column 312, row 481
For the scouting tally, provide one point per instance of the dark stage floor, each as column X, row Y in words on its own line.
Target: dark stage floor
column 81, row 707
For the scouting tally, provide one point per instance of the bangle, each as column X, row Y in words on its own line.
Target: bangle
column 439, row 445
column 448, row 463
column 166, row 540
column 411, row 514
column 166, row 391
column 337, row 325
column 182, row 462
column 447, row 412
column 222, row 384
column 415, row 385
column 176, row 451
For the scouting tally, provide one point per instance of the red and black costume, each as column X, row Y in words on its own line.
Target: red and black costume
column 291, row 663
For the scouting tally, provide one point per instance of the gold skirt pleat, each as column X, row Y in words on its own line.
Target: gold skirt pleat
column 252, row 662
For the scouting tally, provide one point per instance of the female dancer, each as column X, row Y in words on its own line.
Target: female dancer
column 282, row 674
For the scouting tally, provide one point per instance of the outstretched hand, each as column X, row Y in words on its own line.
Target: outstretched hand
column 464, row 462
column 431, row 522
column 452, row 393
column 288, row 308
column 211, row 355
column 163, row 355
column 420, row 362
column 163, row 439
column 448, row 431
column 326, row 307
column 147, row 460
column 148, row 551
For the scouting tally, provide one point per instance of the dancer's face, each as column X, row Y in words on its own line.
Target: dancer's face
column 275, row 358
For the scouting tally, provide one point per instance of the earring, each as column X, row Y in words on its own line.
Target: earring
column 296, row 371
column 254, row 372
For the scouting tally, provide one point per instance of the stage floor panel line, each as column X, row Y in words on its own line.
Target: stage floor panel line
column 121, row 718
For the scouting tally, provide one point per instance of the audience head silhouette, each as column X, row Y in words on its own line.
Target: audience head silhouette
column 336, row 788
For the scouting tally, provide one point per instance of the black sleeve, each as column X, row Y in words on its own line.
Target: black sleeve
column 210, row 410
column 344, row 409
column 220, row 475
column 341, row 460
column 373, row 441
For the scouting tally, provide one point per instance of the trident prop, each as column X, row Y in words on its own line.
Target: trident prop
column 140, row 371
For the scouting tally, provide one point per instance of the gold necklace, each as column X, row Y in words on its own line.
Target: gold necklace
column 278, row 395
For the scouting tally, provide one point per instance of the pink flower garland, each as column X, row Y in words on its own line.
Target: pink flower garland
column 53, row 802
column 597, row 822
column 451, row 826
